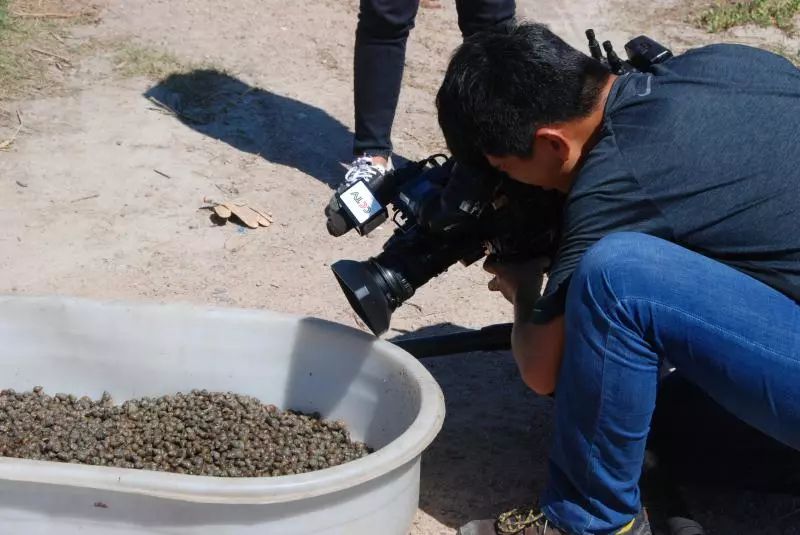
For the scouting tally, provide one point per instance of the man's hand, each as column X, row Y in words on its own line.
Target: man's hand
column 518, row 279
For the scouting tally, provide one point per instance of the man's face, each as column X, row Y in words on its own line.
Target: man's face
column 543, row 167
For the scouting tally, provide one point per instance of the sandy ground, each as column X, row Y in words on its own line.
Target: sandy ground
column 87, row 211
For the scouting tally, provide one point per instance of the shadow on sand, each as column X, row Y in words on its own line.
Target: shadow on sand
column 282, row 130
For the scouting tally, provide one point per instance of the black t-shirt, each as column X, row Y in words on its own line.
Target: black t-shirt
column 704, row 152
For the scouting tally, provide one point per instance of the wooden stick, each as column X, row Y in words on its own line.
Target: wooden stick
column 7, row 143
column 46, row 53
column 96, row 195
column 46, row 15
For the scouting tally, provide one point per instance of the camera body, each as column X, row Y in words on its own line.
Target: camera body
column 447, row 212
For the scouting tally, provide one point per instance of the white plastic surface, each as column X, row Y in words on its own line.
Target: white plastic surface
column 83, row 347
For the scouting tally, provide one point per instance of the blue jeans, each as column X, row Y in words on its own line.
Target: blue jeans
column 634, row 301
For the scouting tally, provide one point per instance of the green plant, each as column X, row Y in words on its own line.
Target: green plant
column 727, row 14
column 9, row 59
column 3, row 14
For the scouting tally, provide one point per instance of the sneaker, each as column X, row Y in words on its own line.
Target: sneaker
column 363, row 168
column 533, row 522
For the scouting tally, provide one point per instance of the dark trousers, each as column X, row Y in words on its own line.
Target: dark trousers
column 380, row 51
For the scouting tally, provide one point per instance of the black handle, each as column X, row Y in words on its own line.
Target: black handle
column 491, row 338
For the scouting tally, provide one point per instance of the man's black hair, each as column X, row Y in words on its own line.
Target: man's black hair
column 500, row 87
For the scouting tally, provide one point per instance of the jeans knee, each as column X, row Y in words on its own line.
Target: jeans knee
column 616, row 265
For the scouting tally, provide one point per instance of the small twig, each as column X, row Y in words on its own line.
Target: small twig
column 358, row 321
column 414, row 137
column 160, row 106
column 7, row 143
column 21, row 184
column 96, row 195
column 165, row 175
column 419, row 308
column 46, row 53
column 57, row 37
column 284, row 248
column 163, row 108
column 54, row 15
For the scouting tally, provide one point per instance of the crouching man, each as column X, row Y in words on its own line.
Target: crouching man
column 680, row 241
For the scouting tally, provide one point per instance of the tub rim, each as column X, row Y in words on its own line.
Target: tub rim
column 401, row 451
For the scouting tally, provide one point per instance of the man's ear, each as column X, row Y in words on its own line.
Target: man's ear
column 552, row 140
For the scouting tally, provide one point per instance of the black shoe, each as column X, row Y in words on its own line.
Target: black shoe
column 533, row 522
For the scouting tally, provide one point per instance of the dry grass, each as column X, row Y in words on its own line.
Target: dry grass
column 32, row 45
column 36, row 50
column 133, row 60
column 730, row 13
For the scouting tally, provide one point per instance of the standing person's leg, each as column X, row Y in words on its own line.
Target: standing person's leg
column 633, row 301
column 478, row 15
column 380, row 52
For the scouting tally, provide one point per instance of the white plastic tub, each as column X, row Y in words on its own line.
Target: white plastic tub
column 74, row 346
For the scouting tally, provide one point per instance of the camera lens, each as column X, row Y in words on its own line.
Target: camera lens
column 373, row 291
column 376, row 287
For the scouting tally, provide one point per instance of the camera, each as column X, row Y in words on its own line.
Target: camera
column 448, row 212
column 445, row 213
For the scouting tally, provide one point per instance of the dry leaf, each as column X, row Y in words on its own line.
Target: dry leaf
column 263, row 213
column 249, row 216
column 245, row 215
column 222, row 211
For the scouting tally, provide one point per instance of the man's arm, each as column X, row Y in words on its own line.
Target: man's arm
column 537, row 348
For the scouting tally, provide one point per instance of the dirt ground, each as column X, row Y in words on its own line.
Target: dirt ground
column 101, row 189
